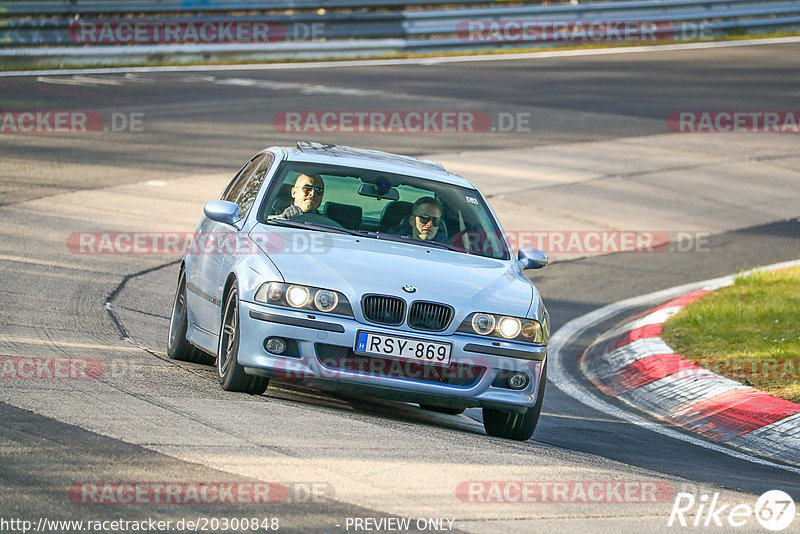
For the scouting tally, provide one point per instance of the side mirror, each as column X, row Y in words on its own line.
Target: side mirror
column 531, row 258
column 222, row 211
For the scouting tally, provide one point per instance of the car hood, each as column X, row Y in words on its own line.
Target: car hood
column 356, row 266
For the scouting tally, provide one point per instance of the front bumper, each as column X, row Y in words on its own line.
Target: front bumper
column 475, row 376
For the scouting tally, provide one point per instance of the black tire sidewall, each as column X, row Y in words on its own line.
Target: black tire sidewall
column 177, row 346
column 230, row 366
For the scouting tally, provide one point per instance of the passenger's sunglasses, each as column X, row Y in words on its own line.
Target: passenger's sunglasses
column 308, row 188
column 425, row 219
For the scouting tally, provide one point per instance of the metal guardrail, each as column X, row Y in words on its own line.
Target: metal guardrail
column 357, row 33
column 645, row 9
column 83, row 7
column 711, row 12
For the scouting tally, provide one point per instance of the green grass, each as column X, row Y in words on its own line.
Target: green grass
column 732, row 36
column 749, row 332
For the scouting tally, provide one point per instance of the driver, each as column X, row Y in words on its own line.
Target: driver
column 307, row 195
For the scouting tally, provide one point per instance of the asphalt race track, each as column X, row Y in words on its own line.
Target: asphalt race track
column 149, row 419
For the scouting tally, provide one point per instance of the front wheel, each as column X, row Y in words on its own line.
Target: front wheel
column 231, row 375
column 178, row 348
column 518, row 426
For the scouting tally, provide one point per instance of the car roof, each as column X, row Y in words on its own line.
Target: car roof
column 373, row 160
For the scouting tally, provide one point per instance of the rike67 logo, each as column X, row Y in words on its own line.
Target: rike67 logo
column 774, row 510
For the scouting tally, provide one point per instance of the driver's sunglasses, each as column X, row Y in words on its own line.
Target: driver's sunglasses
column 425, row 219
column 308, row 188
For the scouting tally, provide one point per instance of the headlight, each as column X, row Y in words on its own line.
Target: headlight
column 509, row 327
column 297, row 296
column 325, row 300
column 274, row 291
column 304, row 298
column 506, row 327
column 533, row 331
column 483, row 323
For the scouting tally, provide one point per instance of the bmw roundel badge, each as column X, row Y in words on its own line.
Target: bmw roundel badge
column 409, row 289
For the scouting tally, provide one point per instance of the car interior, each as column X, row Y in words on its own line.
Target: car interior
column 370, row 202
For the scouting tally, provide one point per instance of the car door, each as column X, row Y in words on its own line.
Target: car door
column 215, row 265
column 203, row 268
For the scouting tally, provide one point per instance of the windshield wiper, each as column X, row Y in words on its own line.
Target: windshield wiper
column 413, row 241
column 363, row 233
column 313, row 226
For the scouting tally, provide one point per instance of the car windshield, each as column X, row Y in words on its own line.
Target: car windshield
column 383, row 205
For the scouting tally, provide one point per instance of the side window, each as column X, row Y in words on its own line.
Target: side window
column 234, row 188
column 249, row 191
column 243, row 189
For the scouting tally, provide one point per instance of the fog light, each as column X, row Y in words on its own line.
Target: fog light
column 517, row 380
column 275, row 345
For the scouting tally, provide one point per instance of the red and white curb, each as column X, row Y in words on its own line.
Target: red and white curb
column 632, row 363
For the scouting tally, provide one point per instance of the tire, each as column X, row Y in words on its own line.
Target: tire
column 231, row 375
column 517, row 426
column 443, row 409
column 178, row 348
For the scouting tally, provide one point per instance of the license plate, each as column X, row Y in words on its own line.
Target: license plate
column 405, row 348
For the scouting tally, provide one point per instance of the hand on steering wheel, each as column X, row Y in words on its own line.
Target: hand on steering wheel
column 291, row 212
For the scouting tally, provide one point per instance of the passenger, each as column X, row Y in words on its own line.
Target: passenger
column 425, row 222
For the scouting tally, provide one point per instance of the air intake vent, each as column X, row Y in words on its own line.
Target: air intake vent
column 383, row 310
column 430, row 316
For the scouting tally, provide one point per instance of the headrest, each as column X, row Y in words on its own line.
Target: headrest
column 283, row 200
column 394, row 214
column 345, row 214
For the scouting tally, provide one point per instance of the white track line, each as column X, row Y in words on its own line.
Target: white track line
column 409, row 61
column 572, row 387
